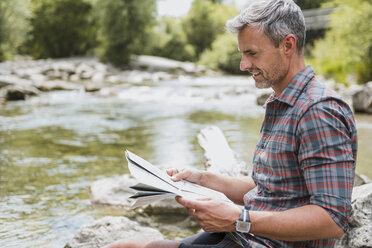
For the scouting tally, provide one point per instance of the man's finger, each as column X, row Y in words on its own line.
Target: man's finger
column 172, row 172
column 181, row 174
column 191, row 211
column 189, row 203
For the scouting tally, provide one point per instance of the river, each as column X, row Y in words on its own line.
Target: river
column 54, row 146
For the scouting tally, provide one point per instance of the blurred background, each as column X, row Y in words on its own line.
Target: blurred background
column 338, row 44
column 100, row 84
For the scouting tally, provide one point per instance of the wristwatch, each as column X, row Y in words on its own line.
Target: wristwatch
column 243, row 224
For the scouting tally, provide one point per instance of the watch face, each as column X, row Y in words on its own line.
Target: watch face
column 242, row 226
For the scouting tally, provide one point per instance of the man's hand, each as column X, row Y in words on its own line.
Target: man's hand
column 212, row 215
column 233, row 188
column 190, row 175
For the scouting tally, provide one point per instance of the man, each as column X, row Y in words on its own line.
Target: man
column 299, row 192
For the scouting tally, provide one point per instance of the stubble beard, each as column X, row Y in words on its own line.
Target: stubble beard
column 269, row 80
column 263, row 84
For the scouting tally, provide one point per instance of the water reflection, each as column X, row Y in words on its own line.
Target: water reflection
column 53, row 147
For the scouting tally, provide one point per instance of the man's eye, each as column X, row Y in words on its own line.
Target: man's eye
column 250, row 53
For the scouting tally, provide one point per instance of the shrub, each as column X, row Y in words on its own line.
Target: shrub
column 223, row 55
column 347, row 47
column 310, row 4
column 61, row 28
column 13, row 26
column 125, row 25
column 168, row 40
column 204, row 22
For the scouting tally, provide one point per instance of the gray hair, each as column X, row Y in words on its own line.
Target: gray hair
column 277, row 18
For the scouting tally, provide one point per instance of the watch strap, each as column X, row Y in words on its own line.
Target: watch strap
column 244, row 215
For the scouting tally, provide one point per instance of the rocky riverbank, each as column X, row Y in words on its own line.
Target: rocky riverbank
column 23, row 79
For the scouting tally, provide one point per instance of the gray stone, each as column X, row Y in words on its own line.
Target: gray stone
column 360, row 179
column 93, row 87
column 115, row 191
column 56, row 85
column 98, row 77
column 360, row 222
column 362, row 99
column 219, row 157
column 109, row 229
column 38, row 77
column 84, row 71
column 165, row 206
column 362, row 206
column 152, row 63
column 261, row 99
column 6, row 80
column 17, row 92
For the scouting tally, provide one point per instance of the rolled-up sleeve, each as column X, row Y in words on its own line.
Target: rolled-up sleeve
column 326, row 153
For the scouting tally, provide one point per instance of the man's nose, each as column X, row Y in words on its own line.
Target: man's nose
column 245, row 64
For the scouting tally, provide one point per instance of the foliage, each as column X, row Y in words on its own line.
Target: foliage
column 170, row 41
column 13, row 26
column 310, row 4
column 204, row 22
column 223, row 55
column 347, row 47
column 125, row 26
column 60, row 28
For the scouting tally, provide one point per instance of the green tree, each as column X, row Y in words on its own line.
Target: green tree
column 125, row 25
column 347, row 47
column 61, row 28
column 170, row 41
column 3, row 31
column 204, row 22
column 13, row 26
column 223, row 54
column 310, row 4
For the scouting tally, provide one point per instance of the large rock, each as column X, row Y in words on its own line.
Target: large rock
column 56, row 85
column 4, row 80
column 219, row 157
column 360, row 179
column 17, row 92
column 263, row 96
column 362, row 99
column 109, row 229
column 152, row 63
column 7, row 80
column 360, row 222
column 115, row 191
column 43, row 73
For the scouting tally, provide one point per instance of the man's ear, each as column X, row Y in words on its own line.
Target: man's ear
column 289, row 44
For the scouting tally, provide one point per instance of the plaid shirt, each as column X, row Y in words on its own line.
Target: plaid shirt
column 306, row 155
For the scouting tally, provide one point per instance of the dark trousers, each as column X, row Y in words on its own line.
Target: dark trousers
column 202, row 240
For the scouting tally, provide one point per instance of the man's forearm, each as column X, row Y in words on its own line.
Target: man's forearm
column 233, row 188
column 303, row 223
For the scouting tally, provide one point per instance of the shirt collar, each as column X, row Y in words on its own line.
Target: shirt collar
column 291, row 93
